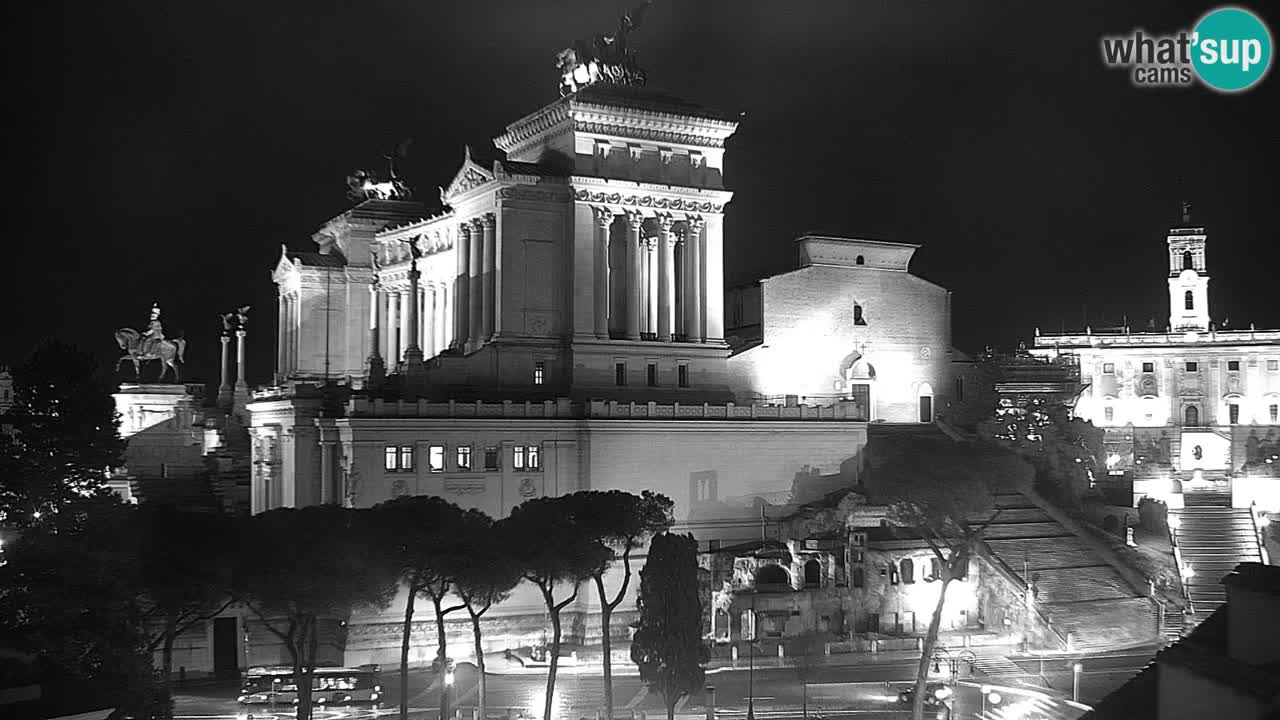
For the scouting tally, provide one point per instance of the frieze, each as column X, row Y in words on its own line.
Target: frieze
column 517, row 193
column 464, row 486
column 636, row 133
column 648, row 201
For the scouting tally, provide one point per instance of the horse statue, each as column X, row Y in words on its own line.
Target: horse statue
column 165, row 351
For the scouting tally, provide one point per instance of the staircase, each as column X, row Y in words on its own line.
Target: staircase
column 1213, row 538
column 1083, row 597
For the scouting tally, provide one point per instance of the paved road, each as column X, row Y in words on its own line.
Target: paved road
column 861, row 691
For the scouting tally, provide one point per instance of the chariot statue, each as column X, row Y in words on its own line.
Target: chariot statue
column 367, row 185
column 150, row 345
column 604, row 58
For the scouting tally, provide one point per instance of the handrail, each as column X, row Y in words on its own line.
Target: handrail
column 1257, row 531
column 1177, row 561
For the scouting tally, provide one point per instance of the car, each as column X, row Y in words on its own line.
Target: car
column 935, row 693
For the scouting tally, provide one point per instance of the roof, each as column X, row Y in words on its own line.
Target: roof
column 1256, row 577
column 318, row 260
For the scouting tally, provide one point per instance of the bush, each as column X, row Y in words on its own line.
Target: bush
column 1153, row 515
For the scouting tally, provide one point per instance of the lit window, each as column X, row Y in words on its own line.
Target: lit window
column 389, row 458
column 1148, row 367
column 525, row 457
column 1193, row 367
column 1233, row 412
column 406, row 457
column 682, row 376
column 517, row 457
column 435, row 458
column 1109, row 368
column 652, row 374
column 539, row 372
column 533, row 454
column 464, row 457
column 620, row 374
column 1233, row 365
column 893, row 576
column 1110, row 414
column 491, row 458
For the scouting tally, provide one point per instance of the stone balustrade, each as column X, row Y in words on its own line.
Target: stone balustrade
column 564, row 409
column 1047, row 340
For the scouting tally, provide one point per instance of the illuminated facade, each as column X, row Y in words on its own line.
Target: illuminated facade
column 1195, row 404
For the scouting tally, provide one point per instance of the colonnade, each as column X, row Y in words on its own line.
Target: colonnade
column 290, row 322
column 391, row 316
column 665, row 279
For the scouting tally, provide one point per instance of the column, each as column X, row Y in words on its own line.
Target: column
column 693, row 253
column 225, row 387
column 634, row 221
column 393, row 324
column 294, row 320
column 327, row 484
column 413, row 322
column 241, row 384
column 604, row 220
column 402, row 322
column 429, row 320
column 442, row 318
column 282, row 359
column 446, row 317
column 651, row 268
column 388, row 328
column 461, row 306
column 375, row 299
column 713, row 272
column 475, row 286
column 489, row 275
column 666, row 270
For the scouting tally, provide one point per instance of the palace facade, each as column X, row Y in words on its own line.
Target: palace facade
column 1195, row 407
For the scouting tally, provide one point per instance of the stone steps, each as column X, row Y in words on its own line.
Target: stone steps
column 1212, row 540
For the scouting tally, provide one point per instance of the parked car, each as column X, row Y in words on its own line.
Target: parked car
column 935, row 694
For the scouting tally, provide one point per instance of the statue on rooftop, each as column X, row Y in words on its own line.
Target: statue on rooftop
column 367, row 185
column 605, row 58
column 150, row 345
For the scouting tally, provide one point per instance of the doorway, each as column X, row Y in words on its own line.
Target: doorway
column 225, row 658
column 926, row 408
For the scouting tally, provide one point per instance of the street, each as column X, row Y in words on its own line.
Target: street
column 864, row 690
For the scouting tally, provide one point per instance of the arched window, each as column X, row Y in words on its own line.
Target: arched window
column 860, row 260
column 772, row 575
column 1191, row 416
column 908, row 571
column 859, row 577
column 1188, row 262
column 1189, row 300
column 812, row 573
column 857, row 316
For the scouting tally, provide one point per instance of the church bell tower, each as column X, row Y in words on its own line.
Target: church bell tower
column 1188, row 276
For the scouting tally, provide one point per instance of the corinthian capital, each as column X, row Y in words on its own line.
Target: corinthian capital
column 695, row 223
column 665, row 222
column 603, row 215
column 488, row 220
column 635, row 220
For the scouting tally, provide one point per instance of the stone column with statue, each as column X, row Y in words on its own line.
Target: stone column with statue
column 150, row 344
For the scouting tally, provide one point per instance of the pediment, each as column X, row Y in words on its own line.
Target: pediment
column 284, row 266
column 469, row 177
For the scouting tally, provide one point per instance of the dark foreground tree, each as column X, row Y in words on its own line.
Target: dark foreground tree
column 424, row 538
column 668, row 644
column 622, row 522
column 308, row 566
column 485, row 582
column 1064, row 450
column 185, row 574
column 65, row 437
column 940, row 491
column 70, row 597
column 552, row 548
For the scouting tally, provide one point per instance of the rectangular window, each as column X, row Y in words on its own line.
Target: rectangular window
column 1109, row 368
column 1233, row 412
column 620, row 374
column 959, row 389
column 1275, row 414
column 464, row 457
column 1193, row 367
column 406, row 457
column 517, row 457
column 1110, row 414
column 533, row 457
column 652, row 374
column 1148, row 367
column 1233, row 365
column 389, row 458
column 1273, row 365
column 682, row 376
column 491, row 458
column 435, row 458
column 539, row 372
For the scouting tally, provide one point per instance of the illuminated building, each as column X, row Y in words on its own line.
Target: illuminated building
column 1187, row 409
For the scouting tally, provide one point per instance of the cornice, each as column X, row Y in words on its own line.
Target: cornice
column 533, row 125
column 650, row 197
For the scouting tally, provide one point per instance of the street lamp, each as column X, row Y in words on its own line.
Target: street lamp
column 1075, row 685
column 751, row 662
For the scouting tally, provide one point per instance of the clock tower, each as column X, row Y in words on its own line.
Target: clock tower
column 1188, row 276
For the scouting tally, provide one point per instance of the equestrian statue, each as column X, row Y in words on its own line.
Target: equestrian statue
column 151, row 345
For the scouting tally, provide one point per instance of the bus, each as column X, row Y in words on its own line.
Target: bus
column 329, row 686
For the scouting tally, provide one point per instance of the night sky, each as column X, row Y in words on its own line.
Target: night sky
column 164, row 151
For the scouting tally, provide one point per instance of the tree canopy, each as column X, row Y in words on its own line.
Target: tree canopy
column 667, row 646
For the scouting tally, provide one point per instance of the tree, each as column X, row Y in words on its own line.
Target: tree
column 668, row 643
column 1063, row 449
column 185, row 573
column 942, row 492
column 70, row 596
column 424, row 538
column 621, row 522
column 65, row 438
column 316, row 566
column 487, row 581
column 552, row 547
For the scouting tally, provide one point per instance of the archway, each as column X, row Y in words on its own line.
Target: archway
column 925, row 395
column 772, row 575
column 1191, row 416
column 812, row 574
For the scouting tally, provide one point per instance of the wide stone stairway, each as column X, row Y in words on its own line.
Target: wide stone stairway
column 1213, row 538
column 1083, row 597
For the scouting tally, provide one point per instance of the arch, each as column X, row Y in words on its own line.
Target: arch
column 1191, row 416
column 859, row 577
column 908, row 570
column 812, row 573
column 924, row 397
column 860, row 260
column 858, row 319
column 1188, row 261
column 772, row 575
column 1189, row 300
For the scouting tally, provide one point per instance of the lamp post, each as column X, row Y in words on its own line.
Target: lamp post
column 1075, row 684
column 448, row 685
column 751, row 663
